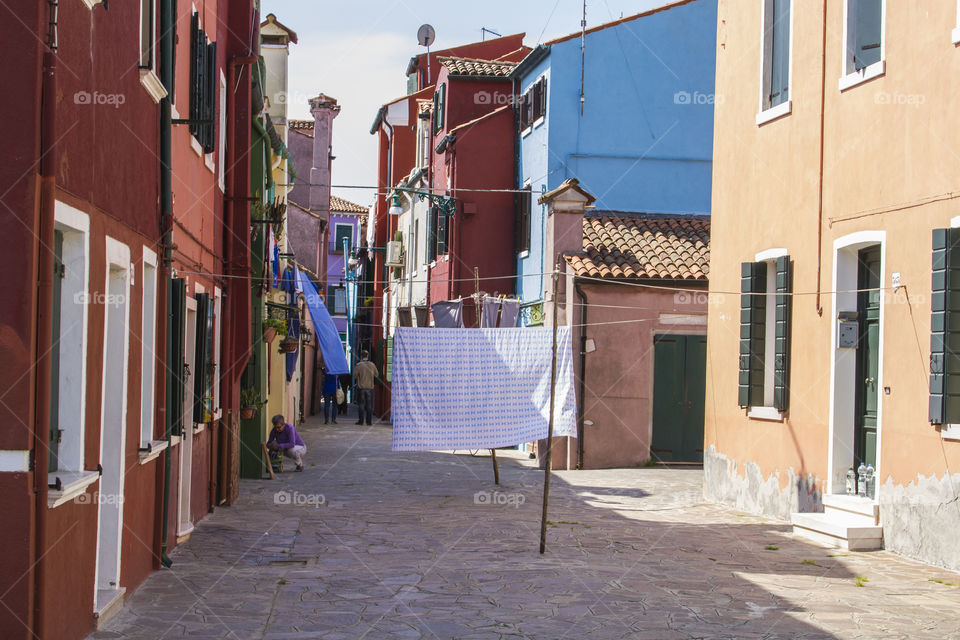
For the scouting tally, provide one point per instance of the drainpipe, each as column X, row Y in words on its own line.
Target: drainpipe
column 167, row 26
column 823, row 95
column 455, row 236
column 581, row 407
column 44, row 310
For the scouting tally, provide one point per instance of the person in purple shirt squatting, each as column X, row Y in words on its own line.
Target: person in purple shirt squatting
column 285, row 438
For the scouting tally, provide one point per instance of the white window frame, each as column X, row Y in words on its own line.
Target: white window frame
column 148, row 75
column 217, row 314
column 74, row 326
column 336, row 290
column 955, row 34
column 222, row 155
column 148, row 341
column 766, row 113
column 767, row 411
column 851, row 77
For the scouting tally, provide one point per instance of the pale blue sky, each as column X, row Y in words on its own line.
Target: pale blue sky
column 357, row 52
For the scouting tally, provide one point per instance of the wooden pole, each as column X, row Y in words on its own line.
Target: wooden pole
column 553, row 393
column 476, row 322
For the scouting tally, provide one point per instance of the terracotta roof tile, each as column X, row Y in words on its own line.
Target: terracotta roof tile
column 304, row 127
column 345, row 206
column 644, row 247
column 479, row 68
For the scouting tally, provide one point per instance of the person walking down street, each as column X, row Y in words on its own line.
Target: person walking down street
column 364, row 375
column 331, row 382
column 285, row 438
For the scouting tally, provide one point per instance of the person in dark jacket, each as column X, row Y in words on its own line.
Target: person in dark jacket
column 331, row 382
column 285, row 438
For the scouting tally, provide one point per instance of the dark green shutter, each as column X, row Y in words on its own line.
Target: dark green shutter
column 439, row 101
column 432, row 228
column 331, row 300
column 945, row 328
column 209, row 139
column 55, row 432
column 176, row 305
column 781, row 362
column 753, row 280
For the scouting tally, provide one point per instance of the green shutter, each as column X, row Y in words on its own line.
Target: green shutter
column 753, row 279
column 331, row 300
column 439, row 101
column 55, row 432
column 781, row 362
column 176, row 305
column 945, row 328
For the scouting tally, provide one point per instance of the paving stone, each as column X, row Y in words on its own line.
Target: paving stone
column 399, row 550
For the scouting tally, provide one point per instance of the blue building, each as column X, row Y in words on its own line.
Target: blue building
column 627, row 109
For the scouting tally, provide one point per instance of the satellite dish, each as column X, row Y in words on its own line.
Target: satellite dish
column 426, row 35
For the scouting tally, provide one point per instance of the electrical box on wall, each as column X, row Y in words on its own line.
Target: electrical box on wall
column 848, row 330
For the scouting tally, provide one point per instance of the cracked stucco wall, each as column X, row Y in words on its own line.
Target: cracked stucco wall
column 921, row 520
column 743, row 485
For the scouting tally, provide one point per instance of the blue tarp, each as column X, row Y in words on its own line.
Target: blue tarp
column 328, row 338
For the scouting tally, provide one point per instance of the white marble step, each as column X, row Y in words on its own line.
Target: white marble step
column 838, row 530
column 854, row 506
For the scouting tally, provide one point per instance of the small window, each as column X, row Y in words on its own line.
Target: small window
column 522, row 232
column 439, row 102
column 533, row 104
column 776, row 52
column 146, row 34
column 148, row 341
column 765, row 313
column 864, row 34
column 342, row 235
column 337, row 301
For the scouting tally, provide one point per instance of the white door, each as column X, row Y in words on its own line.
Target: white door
column 185, row 522
column 112, row 438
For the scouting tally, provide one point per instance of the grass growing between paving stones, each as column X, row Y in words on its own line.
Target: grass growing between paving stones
column 810, row 562
column 772, row 547
column 946, row 584
column 838, row 555
column 862, row 580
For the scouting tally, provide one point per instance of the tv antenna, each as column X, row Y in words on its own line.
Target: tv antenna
column 426, row 34
column 484, row 31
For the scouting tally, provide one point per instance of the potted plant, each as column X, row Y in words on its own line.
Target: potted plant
column 289, row 344
column 250, row 403
column 271, row 327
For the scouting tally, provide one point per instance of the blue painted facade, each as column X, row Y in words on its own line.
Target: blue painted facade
column 644, row 142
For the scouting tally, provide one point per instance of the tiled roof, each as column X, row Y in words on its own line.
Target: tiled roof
column 471, row 67
column 627, row 247
column 345, row 206
column 304, row 127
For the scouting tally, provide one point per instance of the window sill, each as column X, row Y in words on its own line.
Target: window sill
column 174, row 440
column 539, row 121
column 152, row 452
column 198, row 427
column 208, row 160
column 950, row 432
column 955, row 35
column 526, row 132
column 523, row 254
column 91, row 3
column 765, row 413
column 875, row 70
column 778, row 111
column 73, row 484
column 195, row 146
column 150, row 82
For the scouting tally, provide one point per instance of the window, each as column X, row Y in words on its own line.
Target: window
column 776, row 53
column 414, row 250
column 148, row 342
column 765, row 312
column 945, row 328
column 863, row 38
column 146, row 34
column 337, row 301
column 522, row 233
column 955, row 36
column 437, row 234
column 342, row 233
column 533, row 103
column 439, row 102
column 204, row 375
column 217, row 314
column 203, row 87
column 223, row 132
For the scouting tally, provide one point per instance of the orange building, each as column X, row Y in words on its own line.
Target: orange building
column 833, row 271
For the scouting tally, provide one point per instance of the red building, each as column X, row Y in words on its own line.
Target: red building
column 484, row 157
column 103, row 243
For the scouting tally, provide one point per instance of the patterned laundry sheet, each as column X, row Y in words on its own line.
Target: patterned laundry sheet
column 479, row 388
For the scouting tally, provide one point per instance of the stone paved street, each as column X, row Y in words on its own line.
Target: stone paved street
column 399, row 548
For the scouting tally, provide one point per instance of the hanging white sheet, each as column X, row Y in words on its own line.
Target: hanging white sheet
column 479, row 388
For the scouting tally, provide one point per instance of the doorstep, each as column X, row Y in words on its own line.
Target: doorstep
column 109, row 602
column 837, row 529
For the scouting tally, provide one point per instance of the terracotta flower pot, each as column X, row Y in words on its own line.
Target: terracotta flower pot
column 289, row 345
column 248, row 412
column 269, row 333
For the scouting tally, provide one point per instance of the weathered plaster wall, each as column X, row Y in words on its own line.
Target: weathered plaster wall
column 921, row 519
column 744, row 486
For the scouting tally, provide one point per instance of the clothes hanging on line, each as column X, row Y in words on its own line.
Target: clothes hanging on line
column 490, row 312
column 448, row 314
column 509, row 312
column 479, row 388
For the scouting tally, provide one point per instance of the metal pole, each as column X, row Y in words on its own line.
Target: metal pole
column 553, row 393
column 477, row 310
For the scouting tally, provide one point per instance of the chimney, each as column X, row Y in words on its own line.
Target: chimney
column 324, row 110
column 566, row 206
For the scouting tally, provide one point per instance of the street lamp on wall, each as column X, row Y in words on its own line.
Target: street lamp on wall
column 395, row 208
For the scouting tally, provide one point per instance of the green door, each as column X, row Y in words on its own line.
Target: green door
column 868, row 360
column 679, row 381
